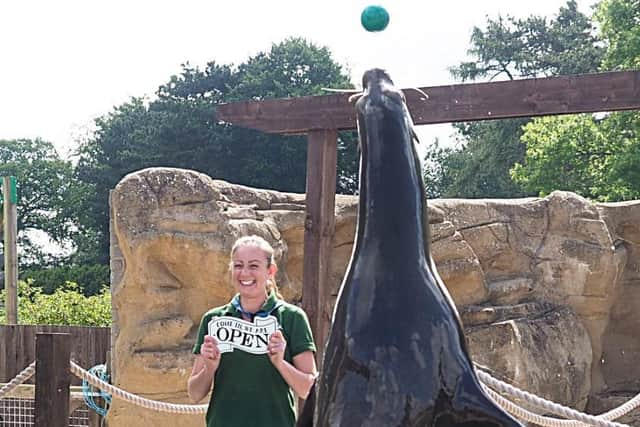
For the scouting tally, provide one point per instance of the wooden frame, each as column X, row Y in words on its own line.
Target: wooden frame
column 586, row 93
column 320, row 117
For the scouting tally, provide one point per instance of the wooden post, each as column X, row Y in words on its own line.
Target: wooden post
column 53, row 378
column 10, row 221
column 318, row 230
column 94, row 418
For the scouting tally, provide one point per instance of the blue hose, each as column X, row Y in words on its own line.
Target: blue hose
column 89, row 393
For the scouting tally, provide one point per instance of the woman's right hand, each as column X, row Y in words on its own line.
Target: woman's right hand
column 204, row 369
column 210, row 353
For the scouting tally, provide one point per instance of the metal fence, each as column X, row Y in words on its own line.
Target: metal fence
column 18, row 410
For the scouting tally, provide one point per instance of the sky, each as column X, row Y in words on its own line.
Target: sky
column 64, row 63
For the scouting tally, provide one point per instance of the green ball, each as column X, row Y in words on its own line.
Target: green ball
column 374, row 18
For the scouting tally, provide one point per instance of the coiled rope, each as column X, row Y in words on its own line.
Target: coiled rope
column 18, row 379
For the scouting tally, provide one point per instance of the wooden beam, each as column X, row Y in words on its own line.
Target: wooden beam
column 318, row 231
column 53, row 378
column 611, row 91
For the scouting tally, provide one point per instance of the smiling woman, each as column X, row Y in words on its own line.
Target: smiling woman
column 244, row 379
column 252, row 271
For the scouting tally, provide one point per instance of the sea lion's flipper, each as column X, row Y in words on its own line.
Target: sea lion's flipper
column 472, row 407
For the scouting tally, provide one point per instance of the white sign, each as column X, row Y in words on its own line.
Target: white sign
column 238, row 333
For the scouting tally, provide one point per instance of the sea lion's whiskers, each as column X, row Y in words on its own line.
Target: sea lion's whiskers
column 357, row 93
column 329, row 89
column 355, row 96
column 420, row 91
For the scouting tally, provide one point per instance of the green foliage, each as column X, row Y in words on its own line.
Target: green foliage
column 436, row 169
column 66, row 306
column 594, row 158
column 562, row 154
column 90, row 279
column 510, row 47
column 481, row 167
column 599, row 159
column 620, row 28
column 47, row 194
column 179, row 129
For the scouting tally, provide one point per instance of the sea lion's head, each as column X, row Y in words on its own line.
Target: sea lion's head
column 378, row 87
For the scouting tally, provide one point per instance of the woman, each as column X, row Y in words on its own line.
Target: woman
column 254, row 389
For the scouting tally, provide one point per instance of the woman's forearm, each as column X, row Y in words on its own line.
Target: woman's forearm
column 301, row 375
column 200, row 382
column 300, row 382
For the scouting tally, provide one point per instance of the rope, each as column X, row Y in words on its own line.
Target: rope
column 546, row 405
column 623, row 409
column 524, row 414
column 18, row 379
column 132, row 398
column 579, row 418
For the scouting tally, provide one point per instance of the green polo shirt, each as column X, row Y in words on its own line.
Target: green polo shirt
column 248, row 390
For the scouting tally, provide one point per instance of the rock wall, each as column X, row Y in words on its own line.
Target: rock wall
column 547, row 288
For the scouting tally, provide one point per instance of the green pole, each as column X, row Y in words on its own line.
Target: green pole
column 13, row 190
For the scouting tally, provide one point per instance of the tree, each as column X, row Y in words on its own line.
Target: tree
column 580, row 153
column 598, row 158
column 532, row 47
column 292, row 68
column 620, row 28
column 179, row 129
column 510, row 48
column 478, row 169
column 89, row 279
column 46, row 191
column 562, row 156
column 435, row 169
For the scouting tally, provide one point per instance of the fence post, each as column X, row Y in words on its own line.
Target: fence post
column 53, row 378
column 10, row 225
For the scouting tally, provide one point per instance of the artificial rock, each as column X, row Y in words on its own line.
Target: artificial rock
column 546, row 287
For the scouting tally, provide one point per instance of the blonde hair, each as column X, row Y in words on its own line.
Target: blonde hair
column 264, row 246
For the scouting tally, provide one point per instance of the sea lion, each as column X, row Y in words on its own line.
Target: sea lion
column 396, row 353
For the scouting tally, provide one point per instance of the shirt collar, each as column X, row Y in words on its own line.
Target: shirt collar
column 269, row 306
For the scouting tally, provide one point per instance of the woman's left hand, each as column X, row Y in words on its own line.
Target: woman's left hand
column 276, row 347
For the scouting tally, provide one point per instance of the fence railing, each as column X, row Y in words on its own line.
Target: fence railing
column 52, row 402
column 89, row 346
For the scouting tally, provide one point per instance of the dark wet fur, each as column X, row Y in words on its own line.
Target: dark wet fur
column 396, row 354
